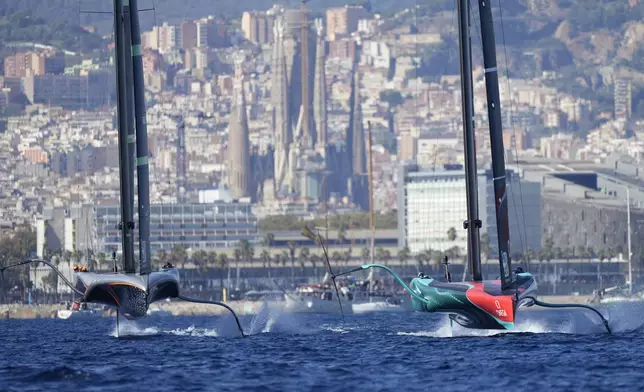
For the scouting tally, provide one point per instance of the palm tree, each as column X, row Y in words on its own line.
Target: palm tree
column 347, row 256
column 437, row 257
column 178, row 254
column 237, row 254
column 342, row 235
column 305, row 255
column 278, row 260
column 199, row 259
column 366, row 254
column 336, row 257
column 403, row 256
column 386, row 256
column 285, row 258
column 453, row 253
column 247, row 251
column 420, row 257
column 292, row 247
column 265, row 256
column 451, row 234
column 211, row 262
column 222, row 264
column 314, row 263
column 269, row 240
column 380, row 254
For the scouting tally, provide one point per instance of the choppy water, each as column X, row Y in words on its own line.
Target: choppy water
column 550, row 350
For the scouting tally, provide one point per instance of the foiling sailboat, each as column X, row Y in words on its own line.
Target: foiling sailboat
column 128, row 292
column 478, row 304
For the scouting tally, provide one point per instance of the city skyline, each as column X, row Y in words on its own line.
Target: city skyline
column 285, row 127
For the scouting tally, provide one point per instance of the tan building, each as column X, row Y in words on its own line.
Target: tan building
column 343, row 48
column 342, row 21
column 188, row 35
column 257, row 27
column 407, row 147
column 24, row 63
column 152, row 61
column 36, row 155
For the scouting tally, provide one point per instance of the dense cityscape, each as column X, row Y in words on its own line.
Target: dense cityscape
column 266, row 122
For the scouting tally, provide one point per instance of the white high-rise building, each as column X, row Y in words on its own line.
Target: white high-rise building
column 430, row 203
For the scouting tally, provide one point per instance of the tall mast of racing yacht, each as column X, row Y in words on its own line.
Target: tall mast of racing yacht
column 143, row 173
column 628, row 236
column 123, row 92
column 129, row 81
column 496, row 140
column 473, row 223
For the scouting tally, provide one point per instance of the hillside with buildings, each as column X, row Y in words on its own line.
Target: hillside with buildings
column 259, row 124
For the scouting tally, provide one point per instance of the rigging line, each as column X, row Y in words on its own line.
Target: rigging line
column 516, row 216
column 526, row 262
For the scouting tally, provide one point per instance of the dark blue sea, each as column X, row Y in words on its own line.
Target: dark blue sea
column 549, row 350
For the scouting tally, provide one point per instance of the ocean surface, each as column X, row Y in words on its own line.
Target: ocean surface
column 549, row 350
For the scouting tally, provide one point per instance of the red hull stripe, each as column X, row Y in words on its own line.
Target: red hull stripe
column 499, row 306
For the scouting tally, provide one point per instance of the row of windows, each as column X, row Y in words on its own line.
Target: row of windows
column 197, row 209
column 181, row 238
column 181, row 219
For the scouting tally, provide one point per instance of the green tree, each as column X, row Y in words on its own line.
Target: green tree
column 292, row 248
column 366, row 254
column 451, row 234
column 315, row 259
column 380, row 255
column 199, row 259
column 419, row 258
column 247, row 251
column 223, row 265
column 404, row 255
column 178, row 254
column 305, row 255
column 336, row 257
column 393, row 98
column 211, row 260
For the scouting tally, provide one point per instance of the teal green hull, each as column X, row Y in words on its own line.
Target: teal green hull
column 479, row 305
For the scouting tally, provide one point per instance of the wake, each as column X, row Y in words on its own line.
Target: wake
column 622, row 318
column 269, row 319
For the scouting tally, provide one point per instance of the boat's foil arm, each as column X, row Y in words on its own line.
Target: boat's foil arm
column 223, row 305
column 47, row 263
column 582, row 306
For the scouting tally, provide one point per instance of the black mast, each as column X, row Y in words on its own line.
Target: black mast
column 496, row 139
column 473, row 223
column 125, row 160
column 129, row 81
column 143, row 173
